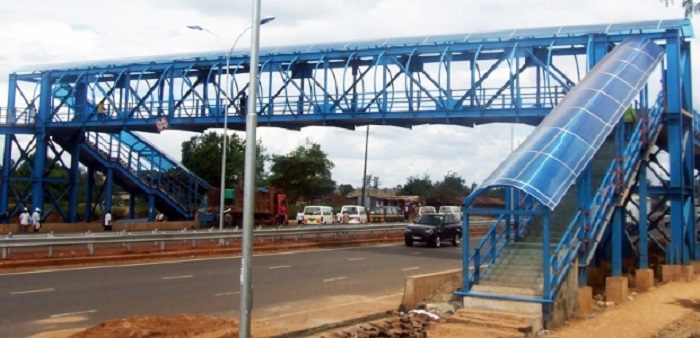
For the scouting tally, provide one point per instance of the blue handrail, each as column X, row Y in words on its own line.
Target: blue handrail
column 567, row 250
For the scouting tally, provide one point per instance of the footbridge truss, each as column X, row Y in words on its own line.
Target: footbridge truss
column 91, row 113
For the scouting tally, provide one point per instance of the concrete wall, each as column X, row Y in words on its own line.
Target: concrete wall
column 566, row 302
column 420, row 288
column 97, row 227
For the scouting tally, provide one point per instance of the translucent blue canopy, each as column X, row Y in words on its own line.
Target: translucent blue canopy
column 626, row 28
column 556, row 152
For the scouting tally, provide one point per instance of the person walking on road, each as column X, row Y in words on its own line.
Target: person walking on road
column 24, row 221
column 108, row 221
column 36, row 219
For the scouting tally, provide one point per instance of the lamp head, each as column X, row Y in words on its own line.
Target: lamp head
column 266, row 19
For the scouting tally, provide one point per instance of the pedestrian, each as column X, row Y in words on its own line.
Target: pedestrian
column 24, row 221
column 36, row 219
column 280, row 218
column 108, row 221
column 242, row 104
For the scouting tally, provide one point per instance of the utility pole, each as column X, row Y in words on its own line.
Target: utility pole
column 364, row 173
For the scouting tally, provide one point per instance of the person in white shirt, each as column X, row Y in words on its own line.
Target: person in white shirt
column 24, row 221
column 36, row 219
column 108, row 221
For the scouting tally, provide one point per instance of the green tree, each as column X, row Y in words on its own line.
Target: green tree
column 202, row 155
column 689, row 6
column 345, row 189
column 305, row 172
column 417, row 185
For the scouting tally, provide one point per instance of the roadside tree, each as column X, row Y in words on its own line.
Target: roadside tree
column 202, row 155
column 305, row 172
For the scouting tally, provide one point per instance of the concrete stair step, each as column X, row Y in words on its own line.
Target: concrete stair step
column 512, row 281
column 449, row 329
column 530, row 310
column 508, row 321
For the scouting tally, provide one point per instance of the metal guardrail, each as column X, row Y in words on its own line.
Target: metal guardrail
column 90, row 239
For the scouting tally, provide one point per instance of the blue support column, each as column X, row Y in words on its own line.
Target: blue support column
column 73, row 176
column 109, row 181
column 618, row 217
column 547, row 287
column 465, row 250
column 5, row 184
column 88, row 194
column 41, row 137
column 674, row 123
column 643, row 226
column 151, row 207
column 584, row 201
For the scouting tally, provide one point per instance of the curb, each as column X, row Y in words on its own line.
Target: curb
column 334, row 326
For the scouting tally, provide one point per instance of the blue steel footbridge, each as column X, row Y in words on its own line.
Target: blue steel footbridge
column 574, row 83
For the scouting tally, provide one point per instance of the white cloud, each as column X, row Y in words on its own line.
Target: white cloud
column 40, row 32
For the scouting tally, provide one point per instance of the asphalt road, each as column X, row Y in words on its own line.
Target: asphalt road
column 34, row 302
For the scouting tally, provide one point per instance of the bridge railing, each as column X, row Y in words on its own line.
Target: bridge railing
column 366, row 102
column 585, row 231
column 180, row 185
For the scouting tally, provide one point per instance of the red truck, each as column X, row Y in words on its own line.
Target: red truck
column 270, row 202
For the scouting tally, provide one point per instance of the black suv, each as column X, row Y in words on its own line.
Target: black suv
column 433, row 229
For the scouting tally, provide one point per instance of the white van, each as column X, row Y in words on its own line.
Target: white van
column 318, row 214
column 356, row 213
column 426, row 210
column 448, row 209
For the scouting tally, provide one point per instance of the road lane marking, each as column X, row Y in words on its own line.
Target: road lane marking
column 413, row 268
column 356, row 259
column 32, row 291
column 279, row 267
column 333, row 279
column 71, row 314
column 227, row 293
column 415, row 253
column 177, row 277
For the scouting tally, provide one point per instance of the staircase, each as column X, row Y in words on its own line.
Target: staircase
column 510, row 278
column 140, row 168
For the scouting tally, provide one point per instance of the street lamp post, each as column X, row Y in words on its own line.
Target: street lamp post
column 228, row 103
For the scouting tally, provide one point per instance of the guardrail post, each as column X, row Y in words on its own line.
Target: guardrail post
column 128, row 246
column 194, row 243
column 91, row 249
column 4, row 253
column 50, row 251
column 221, row 242
column 162, row 245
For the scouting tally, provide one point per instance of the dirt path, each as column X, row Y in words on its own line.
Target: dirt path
column 649, row 313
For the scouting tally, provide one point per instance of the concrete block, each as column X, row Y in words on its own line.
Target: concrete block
column 670, row 273
column 585, row 300
column 686, row 274
column 644, row 279
column 420, row 287
column 616, row 289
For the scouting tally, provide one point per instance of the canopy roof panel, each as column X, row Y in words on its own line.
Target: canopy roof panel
column 556, row 152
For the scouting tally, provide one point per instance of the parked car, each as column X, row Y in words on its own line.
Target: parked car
column 356, row 213
column 451, row 209
column 434, row 228
column 385, row 214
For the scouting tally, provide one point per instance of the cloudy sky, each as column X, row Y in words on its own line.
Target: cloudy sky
column 41, row 32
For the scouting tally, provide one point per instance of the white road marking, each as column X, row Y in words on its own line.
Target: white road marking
column 71, row 314
column 413, row 268
column 280, row 267
column 333, row 279
column 178, row 277
column 32, row 291
column 356, row 259
column 227, row 293
column 415, row 253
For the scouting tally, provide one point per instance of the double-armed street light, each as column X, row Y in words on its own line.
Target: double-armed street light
column 228, row 103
